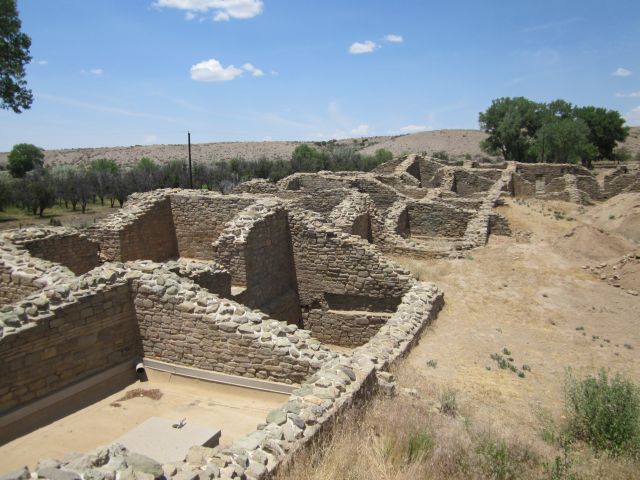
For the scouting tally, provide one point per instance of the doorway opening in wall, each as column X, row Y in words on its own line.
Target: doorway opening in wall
column 540, row 183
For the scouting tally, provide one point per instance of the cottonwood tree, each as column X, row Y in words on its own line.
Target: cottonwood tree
column 14, row 55
column 526, row 131
column 23, row 158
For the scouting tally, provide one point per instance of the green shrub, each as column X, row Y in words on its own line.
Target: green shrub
column 419, row 445
column 448, row 403
column 501, row 460
column 604, row 412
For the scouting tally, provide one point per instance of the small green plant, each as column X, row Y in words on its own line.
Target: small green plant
column 448, row 403
column 612, row 217
column 419, row 445
column 579, row 328
column 560, row 468
column 604, row 412
column 506, row 351
column 526, row 368
column 432, row 363
column 502, row 461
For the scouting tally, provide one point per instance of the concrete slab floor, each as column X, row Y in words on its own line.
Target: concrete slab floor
column 234, row 410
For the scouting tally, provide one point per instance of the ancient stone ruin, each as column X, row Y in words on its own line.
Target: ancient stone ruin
column 287, row 283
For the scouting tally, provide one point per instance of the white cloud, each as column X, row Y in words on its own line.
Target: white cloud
column 633, row 117
column 42, row 62
column 394, row 38
column 213, row 71
column 360, row 130
column 414, row 128
column 149, row 139
column 189, row 16
column 256, row 72
column 362, row 47
column 94, row 71
column 628, row 95
column 621, row 72
column 223, row 9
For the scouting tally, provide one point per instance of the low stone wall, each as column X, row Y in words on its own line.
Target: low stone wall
column 467, row 182
column 21, row 274
column 66, row 246
column 183, row 324
column 65, row 334
column 622, row 180
column 348, row 329
column 436, row 219
column 208, row 274
column 143, row 229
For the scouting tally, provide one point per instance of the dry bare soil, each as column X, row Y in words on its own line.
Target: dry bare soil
column 531, row 295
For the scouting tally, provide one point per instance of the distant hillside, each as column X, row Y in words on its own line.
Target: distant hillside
column 455, row 142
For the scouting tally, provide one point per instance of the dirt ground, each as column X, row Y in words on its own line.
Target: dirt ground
column 531, row 295
column 235, row 411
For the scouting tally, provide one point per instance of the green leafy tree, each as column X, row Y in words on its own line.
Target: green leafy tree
column 102, row 173
column 606, row 128
column 383, row 155
column 511, row 124
column 23, row 158
column 36, row 191
column 14, row 55
column 6, row 189
column 307, row 159
column 565, row 140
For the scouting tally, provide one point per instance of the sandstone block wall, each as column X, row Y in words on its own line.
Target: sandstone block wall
column 328, row 261
column 183, row 324
column 467, row 182
column 434, row 219
column 73, row 250
column 143, row 229
column 20, row 273
column 256, row 248
column 87, row 332
column 199, row 219
column 350, row 329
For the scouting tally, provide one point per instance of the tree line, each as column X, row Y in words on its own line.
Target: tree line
column 556, row 132
column 30, row 185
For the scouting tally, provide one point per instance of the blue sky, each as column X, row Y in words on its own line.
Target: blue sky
column 125, row 72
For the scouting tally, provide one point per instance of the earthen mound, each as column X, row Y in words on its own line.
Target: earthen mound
column 586, row 242
column 620, row 214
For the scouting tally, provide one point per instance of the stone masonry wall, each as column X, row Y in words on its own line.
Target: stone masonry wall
column 350, row 329
column 64, row 335
column 143, row 229
column 256, row 248
column 329, row 261
column 436, row 219
column 183, row 324
column 200, row 218
column 20, row 273
column 72, row 249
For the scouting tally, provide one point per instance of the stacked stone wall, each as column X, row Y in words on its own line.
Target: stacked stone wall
column 20, row 273
column 73, row 250
column 200, row 218
column 143, row 229
column 468, row 182
column 330, row 261
column 435, row 219
column 63, row 337
column 348, row 329
column 256, row 248
column 183, row 324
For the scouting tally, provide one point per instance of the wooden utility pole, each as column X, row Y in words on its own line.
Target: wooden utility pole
column 190, row 172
